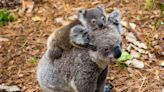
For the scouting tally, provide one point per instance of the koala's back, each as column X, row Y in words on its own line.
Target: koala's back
column 62, row 74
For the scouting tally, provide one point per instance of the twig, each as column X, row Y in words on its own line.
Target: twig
column 144, row 78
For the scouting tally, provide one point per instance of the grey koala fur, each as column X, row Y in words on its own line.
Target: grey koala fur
column 58, row 41
column 79, row 69
column 114, row 18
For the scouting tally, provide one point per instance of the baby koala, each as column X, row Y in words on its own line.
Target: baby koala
column 59, row 41
column 81, row 69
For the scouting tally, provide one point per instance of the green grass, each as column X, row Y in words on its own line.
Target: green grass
column 123, row 58
column 161, row 7
column 5, row 17
column 149, row 4
column 33, row 60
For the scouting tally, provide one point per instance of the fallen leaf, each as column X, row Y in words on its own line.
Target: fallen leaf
column 36, row 18
column 134, row 54
column 124, row 23
column 132, row 25
column 139, row 35
column 162, row 90
column 10, row 88
column 136, row 63
column 59, row 20
column 128, row 62
column 162, row 64
column 27, row 7
column 131, row 38
column 138, row 49
column 72, row 17
column 3, row 39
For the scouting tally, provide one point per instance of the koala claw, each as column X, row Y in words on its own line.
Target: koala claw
column 108, row 88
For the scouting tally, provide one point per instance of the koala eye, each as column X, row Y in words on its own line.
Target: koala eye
column 121, row 44
column 81, row 31
column 93, row 21
column 106, row 49
column 103, row 18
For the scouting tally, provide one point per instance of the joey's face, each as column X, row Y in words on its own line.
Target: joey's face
column 94, row 18
column 108, row 46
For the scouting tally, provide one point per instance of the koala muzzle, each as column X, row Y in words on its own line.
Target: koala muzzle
column 117, row 52
column 100, row 25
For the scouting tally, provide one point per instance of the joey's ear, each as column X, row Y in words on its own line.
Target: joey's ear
column 81, row 13
column 101, row 8
column 115, row 18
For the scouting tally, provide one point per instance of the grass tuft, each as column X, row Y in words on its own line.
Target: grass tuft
column 5, row 16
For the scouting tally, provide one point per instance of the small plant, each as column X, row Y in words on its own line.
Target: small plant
column 123, row 58
column 33, row 60
column 149, row 4
column 5, row 16
column 161, row 7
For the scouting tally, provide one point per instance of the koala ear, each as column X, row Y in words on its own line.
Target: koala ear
column 76, row 35
column 101, row 8
column 115, row 18
column 116, row 15
column 82, row 13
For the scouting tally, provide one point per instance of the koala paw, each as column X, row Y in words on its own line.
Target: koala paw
column 108, row 88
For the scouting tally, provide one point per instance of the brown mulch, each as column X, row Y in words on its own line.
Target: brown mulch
column 27, row 42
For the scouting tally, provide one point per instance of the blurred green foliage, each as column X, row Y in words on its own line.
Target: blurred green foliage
column 149, row 4
column 33, row 60
column 5, row 16
column 123, row 58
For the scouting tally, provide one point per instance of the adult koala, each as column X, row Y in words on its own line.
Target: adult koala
column 84, row 67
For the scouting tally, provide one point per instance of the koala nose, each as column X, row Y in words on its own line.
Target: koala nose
column 100, row 25
column 117, row 52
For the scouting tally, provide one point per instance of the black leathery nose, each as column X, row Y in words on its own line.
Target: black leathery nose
column 117, row 52
column 100, row 25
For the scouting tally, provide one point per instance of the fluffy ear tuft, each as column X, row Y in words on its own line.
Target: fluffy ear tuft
column 115, row 14
column 81, row 13
column 102, row 8
column 115, row 18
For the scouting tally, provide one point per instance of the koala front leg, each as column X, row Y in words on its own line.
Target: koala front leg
column 101, row 80
column 102, row 86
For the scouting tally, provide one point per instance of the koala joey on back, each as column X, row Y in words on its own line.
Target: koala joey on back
column 79, row 69
column 58, row 41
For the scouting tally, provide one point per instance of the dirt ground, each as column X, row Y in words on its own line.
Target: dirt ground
column 28, row 34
